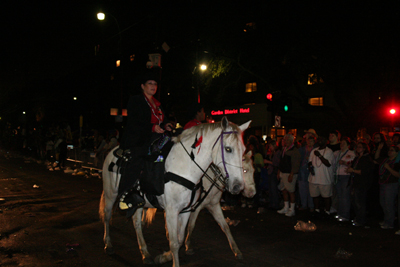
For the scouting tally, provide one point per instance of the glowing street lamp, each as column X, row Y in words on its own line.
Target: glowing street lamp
column 203, row 67
column 392, row 111
column 101, row 16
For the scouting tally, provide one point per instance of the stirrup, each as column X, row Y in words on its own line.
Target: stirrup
column 131, row 199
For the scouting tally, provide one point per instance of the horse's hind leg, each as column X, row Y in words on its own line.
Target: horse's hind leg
column 218, row 215
column 190, row 228
column 105, row 211
column 137, row 223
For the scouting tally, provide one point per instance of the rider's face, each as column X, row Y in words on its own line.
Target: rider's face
column 149, row 88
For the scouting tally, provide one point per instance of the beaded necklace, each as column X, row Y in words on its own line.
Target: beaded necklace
column 286, row 149
column 320, row 159
column 159, row 118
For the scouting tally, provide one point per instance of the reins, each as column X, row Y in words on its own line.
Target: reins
column 217, row 173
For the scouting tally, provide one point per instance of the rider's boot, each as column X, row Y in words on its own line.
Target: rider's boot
column 130, row 201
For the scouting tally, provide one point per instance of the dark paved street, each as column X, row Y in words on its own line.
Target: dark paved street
column 57, row 224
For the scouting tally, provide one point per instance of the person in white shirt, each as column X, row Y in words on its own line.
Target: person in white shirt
column 321, row 175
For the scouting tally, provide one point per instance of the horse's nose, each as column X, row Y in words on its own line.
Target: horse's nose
column 236, row 189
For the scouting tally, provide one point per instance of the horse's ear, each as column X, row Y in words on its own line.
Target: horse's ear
column 244, row 126
column 249, row 154
column 224, row 123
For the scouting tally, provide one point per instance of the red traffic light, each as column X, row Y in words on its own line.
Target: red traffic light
column 269, row 97
column 392, row 111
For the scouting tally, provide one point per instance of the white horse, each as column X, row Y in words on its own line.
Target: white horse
column 215, row 188
column 192, row 153
column 212, row 203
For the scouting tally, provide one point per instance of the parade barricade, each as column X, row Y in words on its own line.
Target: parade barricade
column 86, row 159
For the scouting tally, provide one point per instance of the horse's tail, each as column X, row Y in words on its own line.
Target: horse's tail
column 102, row 207
column 150, row 214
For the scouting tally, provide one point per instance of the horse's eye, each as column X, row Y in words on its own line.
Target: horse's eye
column 244, row 170
column 228, row 149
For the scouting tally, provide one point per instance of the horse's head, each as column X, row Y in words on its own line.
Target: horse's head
column 229, row 154
column 248, row 174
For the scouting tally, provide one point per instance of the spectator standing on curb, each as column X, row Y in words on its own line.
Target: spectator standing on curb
column 320, row 178
column 378, row 154
column 288, row 169
column 334, row 140
column 308, row 133
column 389, row 185
column 342, row 160
column 334, row 144
column 302, row 179
column 361, row 179
column 273, row 160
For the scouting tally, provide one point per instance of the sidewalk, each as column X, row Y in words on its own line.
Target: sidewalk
column 74, row 166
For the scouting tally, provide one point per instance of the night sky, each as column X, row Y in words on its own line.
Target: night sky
column 49, row 40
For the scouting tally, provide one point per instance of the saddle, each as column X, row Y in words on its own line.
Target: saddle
column 151, row 179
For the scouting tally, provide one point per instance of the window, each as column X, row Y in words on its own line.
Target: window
column 118, row 63
column 250, row 26
column 132, row 57
column 277, row 133
column 314, row 79
column 316, row 101
column 251, row 87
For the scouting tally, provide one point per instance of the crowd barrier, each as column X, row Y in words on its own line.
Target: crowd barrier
column 86, row 159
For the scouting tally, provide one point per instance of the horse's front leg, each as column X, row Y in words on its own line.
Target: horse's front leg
column 175, row 235
column 171, row 225
column 218, row 215
column 137, row 223
column 190, row 228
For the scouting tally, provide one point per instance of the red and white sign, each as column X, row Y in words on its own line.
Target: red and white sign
column 230, row 111
column 278, row 121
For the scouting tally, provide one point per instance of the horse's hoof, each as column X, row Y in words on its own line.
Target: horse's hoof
column 239, row 257
column 109, row 250
column 148, row 261
column 189, row 251
column 157, row 259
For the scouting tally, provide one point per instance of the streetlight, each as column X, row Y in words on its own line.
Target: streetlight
column 203, row 68
column 102, row 16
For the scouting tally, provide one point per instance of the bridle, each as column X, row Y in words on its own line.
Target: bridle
column 222, row 150
column 220, row 176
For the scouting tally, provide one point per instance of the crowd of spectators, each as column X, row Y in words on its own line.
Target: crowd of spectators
column 349, row 180
column 56, row 142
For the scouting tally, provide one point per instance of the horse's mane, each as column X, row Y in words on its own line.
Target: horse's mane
column 205, row 127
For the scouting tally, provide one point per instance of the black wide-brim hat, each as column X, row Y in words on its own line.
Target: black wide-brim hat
column 149, row 75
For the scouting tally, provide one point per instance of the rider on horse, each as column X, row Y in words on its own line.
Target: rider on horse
column 146, row 123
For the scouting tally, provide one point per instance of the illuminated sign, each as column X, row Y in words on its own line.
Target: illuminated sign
column 230, row 111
